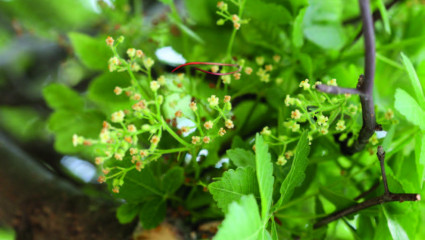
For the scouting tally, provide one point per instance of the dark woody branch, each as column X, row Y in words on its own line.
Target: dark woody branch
column 386, row 197
column 364, row 86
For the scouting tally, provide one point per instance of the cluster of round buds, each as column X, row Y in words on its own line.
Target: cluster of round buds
column 236, row 21
column 389, row 114
column 109, row 41
column 289, row 154
column 322, row 120
column 113, row 64
column 323, row 130
column 193, row 106
column 206, row 139
column 155, row 86
column 281, row 161
column 226, row 79
column 208, row 125
column 294, row 126
column 118, row 90
column 117, row 116
column 289, row 101
column 214, row 69
column 148, row 62
column 77, row 140
column 229, row 124
column 304, row 84
column 266, row 131
column 155, row 140
column 131, row 52
column 237, row 76
column 196, row 139
column 248, row 70
column 340, row 125
column 222, row 6
column 276, row 58
column 213, row 100
column 296, row 114
column 221, row 132
column 332, row 82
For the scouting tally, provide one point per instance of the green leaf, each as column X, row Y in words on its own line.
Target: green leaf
column 59, row 96
column 420, row 156
column 173, row 179
column 242, row 222
column 297, row 30
column 327, row 36
column 138, row 186
column 409, row 108
column 397, row 231
column 338, row 200
column 260, row 11
column 388, row 139
column 265, row 177
column 296, row 175
column 275, row 235
column 414, row 80
column 233, row 185
column 101, row 91
column 152, row 213
column 241, row 157
column 65, row 123
column 93, row 52
column 127, row 212
column 384, row 14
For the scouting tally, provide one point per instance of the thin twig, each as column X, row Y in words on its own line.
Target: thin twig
column 386, row 197
column 364, row 86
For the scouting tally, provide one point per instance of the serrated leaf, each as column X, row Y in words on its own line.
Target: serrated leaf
column 138, row 186
column 152, row 213
column 409, row 108
column 101, row 91
column 93, row 52
column 65, row 123
column 241, row 157
column 127, row 212
column 296, row 175
column 297, row 30
column 59, row 96
column 242, row 222
column 233, row 185
column 414, row 80
column 172, row 180
column 264, row 170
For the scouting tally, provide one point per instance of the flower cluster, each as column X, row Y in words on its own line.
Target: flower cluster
column 133, row 135
column 225, row 15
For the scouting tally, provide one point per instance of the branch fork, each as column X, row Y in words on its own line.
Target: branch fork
column 386, row 197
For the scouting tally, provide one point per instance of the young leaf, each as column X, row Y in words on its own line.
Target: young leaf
column 414, row 80
column 241, row 157
column 94, row 53
column 265, row 177
column 383, row 11
column 233, row 185
column 397, row 231
column 152, row 213
column 409, row 108
column 101, row 91
column 242, row 222
column 173, row 179
column 127, row 212
column 59, row 96
column 297, row 30
column 296, row 174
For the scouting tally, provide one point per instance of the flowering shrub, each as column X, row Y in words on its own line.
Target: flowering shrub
column 263, row 147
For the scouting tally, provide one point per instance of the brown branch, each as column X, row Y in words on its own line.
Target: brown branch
column 364, row 86
column 386, row 197
column 39, row 205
